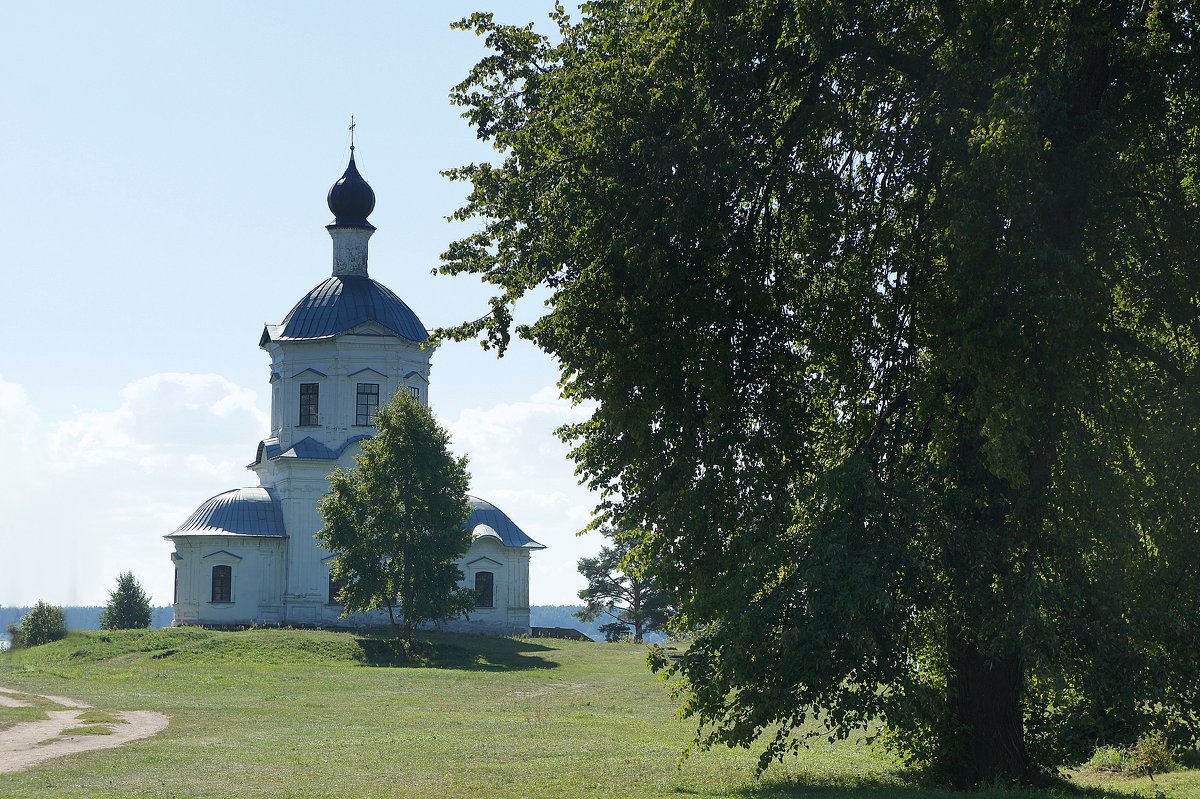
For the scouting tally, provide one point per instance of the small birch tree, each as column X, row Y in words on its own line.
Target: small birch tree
column 397, row 522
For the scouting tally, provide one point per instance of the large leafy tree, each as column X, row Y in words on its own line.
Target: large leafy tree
column 628, row 598
column 397, row 521
column 128, row 606
column 891, row 312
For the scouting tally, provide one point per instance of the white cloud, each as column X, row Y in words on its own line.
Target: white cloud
column 19, row 439
column 91, row 495
column 171, row 420
column 20, row 418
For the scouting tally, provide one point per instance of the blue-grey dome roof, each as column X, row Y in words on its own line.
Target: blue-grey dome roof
column 510, row 535
column 242, row 511
column 343, row 302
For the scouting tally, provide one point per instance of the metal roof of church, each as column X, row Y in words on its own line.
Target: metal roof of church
column 242, row 511
column 510, row 535
column 256, row 512
column 307, row 448
column 344, row 302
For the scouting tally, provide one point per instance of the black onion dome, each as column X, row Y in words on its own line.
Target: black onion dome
column 351, row 199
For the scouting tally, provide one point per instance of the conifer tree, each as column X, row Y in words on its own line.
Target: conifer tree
column 630, row 600
column 128, row 606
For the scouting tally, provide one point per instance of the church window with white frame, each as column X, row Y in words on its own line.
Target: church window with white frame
column 485, row 595
column 310, row 398
column 335, row 588
column 366, row 404
column 222, row 583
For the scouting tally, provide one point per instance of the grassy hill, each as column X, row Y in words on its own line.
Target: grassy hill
column 278, row 713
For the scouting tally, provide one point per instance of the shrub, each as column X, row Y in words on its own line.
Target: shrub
column 128, row 606
column 1113, row 759
column 41, row 625
column 1150, row 755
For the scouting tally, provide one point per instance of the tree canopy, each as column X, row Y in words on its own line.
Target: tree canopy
column 128, row 606
column 397, row 521
column 892, row 315
column 43, row 624
column 630, row 600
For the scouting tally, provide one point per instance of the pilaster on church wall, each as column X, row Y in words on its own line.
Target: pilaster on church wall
column 299, row 485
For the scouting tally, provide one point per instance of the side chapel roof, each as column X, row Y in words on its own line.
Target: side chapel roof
column 255, row 512
column 250, row 511
column 487, row 515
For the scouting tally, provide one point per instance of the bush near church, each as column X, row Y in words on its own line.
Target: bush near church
column 41, row 625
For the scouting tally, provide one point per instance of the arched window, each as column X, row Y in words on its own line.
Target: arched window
column 222, row 583
column 484, row 595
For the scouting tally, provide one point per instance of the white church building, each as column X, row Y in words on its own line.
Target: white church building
column 249, row 556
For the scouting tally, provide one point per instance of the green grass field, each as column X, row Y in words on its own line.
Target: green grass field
column 274, row 713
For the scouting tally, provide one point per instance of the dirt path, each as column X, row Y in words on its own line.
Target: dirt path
column 31, row 742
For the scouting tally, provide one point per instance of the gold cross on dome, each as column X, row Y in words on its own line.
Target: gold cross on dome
column 352, row 133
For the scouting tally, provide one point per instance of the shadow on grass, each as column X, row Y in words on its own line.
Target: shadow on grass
column 817, row 788
column 459, row 652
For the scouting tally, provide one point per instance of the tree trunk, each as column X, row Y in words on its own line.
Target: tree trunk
column 985, row 742
column 392, row 618
column 407, row 635
column 635, row 610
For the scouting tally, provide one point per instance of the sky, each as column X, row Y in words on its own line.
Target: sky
column 163, row 171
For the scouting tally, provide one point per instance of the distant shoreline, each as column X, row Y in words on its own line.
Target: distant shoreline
column 87, row 617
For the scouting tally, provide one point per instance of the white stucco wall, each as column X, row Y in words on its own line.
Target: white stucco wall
column 337, row 366
column 257, row 572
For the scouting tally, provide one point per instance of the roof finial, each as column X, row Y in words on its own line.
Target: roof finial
column 352, row 137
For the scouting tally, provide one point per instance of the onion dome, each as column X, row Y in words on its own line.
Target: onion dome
column 351, row 199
